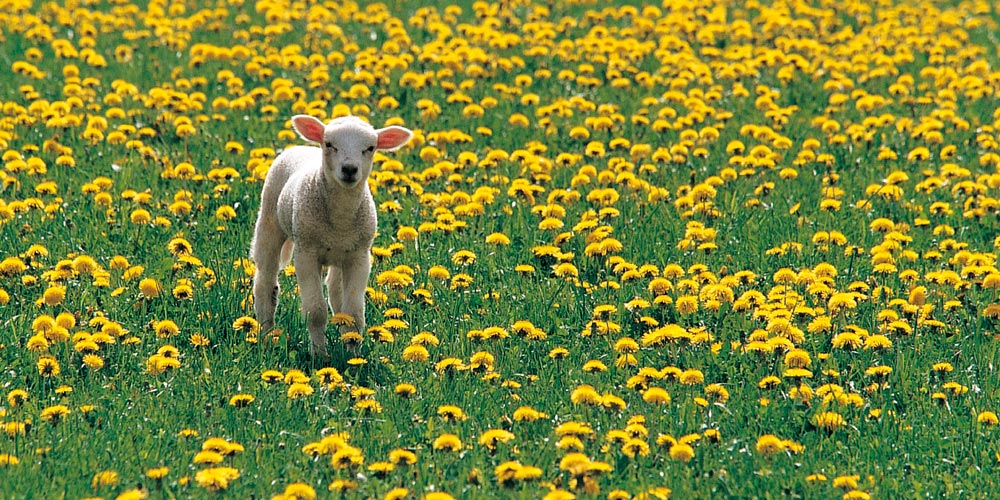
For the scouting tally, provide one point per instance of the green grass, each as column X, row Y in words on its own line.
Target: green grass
column 920, row 430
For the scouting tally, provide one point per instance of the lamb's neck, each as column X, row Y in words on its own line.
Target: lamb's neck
column 344, row 200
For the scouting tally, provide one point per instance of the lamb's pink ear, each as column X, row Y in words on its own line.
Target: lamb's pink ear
column 393, row 137
column 310, row 128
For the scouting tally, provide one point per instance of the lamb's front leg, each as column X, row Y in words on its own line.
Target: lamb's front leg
column 355, row 280
column 314, row 311
column 335, row 289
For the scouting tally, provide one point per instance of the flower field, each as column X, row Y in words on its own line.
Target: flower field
column 728, row 249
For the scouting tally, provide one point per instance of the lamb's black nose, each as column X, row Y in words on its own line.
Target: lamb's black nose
column 349, row 170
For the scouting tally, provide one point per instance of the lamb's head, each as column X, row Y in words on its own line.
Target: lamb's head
column 348, row 145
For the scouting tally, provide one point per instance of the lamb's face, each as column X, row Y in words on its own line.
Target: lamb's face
column 348, row 147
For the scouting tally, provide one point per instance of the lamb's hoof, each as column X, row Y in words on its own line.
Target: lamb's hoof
column 320, row 353
column 274, row 336
column 353, row 349
column 265, row 325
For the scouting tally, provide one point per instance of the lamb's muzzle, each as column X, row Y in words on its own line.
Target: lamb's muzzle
column 316, row 209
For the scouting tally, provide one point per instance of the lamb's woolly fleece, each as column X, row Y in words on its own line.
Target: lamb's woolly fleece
column 317, row 209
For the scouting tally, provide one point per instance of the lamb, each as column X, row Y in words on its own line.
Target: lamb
column 316, row 208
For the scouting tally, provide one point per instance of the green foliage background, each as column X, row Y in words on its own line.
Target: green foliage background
column 802, row 185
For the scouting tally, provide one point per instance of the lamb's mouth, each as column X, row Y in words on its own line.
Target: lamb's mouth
column 351, row 183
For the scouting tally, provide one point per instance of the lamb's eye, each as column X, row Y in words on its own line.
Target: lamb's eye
column 371, row 149
column 330, row 145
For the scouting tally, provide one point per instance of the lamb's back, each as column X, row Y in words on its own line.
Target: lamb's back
column 292, row 161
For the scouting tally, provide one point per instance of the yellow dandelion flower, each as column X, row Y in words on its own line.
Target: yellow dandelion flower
column 246, row 325
column 207, row 457
column 150, row 288
column 447, row 442
column 847, row 482
column 565, row 270
column 691, row 377
column 681, row 452
column 104, row 478
column 216, row 478
column 415, row 353
column 54, row 295
column 405, row 390
column 492, row 437
column 165, row 328
column 93, row 361
column 401, row 456
column 451, row 413
column 829, row 421
column 299, row 390
column 987, row 418
column 656, row 395
column 272, row 376
column 463, row 257
column 199, row 340
column 585, row 394
column 54, row 414
column 241, row 400
column 48, row 366
column 157, row 473
column 769, row 444
column 17, row 397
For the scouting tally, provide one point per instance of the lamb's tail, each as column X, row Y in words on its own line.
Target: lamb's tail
column 286, row 253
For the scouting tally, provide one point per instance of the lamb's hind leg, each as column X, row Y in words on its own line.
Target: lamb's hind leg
column 314, row 310
column 266, row 253
column 335, row 289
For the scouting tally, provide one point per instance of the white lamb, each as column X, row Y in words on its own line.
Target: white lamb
column 317, row 209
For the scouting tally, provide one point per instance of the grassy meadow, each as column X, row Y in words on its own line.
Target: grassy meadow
column 730, row 249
